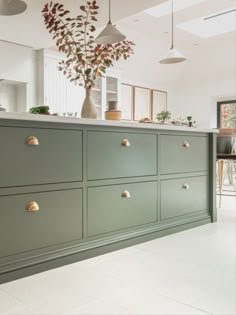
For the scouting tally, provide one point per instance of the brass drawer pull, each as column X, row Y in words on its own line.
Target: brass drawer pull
column 186, row 144
column 32, row 140
column 32, row 206
column 125, row 194
column 186, row 186
column 125, row 143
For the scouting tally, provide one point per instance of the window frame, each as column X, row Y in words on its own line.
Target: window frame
column 219, row 104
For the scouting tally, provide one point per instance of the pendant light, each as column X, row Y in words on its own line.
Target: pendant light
column 110, row 34
column 173, row 56
column 12, row 7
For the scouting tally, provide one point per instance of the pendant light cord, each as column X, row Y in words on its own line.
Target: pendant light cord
column 172, row 19
column 109, row 12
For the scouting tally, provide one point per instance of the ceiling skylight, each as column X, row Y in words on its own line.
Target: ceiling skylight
column 211, row 25
column 165, row 8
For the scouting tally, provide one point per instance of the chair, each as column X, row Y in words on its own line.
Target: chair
column 226, row 156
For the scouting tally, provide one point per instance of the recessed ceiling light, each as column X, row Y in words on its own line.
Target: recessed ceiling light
column 209, row 26
column 165, row 8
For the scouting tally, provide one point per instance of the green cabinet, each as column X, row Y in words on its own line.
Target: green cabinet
column 112, row 208
column 72, row 191
column 183, row 153
column 54, row 218
column 183, row 196
column 32, row 156
column 117, row 154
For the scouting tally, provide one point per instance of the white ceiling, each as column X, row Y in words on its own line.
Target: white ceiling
column 206, row 57
column 28, row 28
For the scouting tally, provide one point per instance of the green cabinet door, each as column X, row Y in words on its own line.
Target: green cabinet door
column 184, row 196
column 183, row 154
column 23, row 228
column 116, row 155
column 50, row 156
column 112, row 208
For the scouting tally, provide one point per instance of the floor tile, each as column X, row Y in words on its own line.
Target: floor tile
column 45, row 294
column 138, row 301
column 9, row 305
column 191, row 272
column 219, row 300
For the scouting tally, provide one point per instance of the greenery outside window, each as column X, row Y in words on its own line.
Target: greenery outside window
column 226, row 114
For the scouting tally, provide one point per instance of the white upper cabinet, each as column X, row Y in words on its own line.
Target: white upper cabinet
column 63, row 96
column 106, row 89
column 55, row 90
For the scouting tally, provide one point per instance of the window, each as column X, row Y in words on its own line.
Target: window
column 226, row 114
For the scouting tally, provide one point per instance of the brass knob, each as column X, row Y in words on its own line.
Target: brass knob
column 186, row 186
column 125, row 143
column 186, row 144
column 32, row 140
column 125, row 194
column 32, row 206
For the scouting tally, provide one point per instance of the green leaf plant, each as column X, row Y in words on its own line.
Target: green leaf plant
column 85, row 60
column 163, row 116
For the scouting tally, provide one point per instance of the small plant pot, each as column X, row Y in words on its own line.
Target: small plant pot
column 190, row 123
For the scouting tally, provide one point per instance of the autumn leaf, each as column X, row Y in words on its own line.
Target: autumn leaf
column 85, row 60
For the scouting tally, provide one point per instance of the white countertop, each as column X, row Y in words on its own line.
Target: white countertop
column 94, row 122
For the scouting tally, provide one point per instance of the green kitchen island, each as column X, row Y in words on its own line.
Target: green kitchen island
column 74, row 188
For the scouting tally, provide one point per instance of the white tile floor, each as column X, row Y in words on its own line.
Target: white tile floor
column 192, row 272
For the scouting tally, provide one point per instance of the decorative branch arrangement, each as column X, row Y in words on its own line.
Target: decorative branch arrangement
column 85, row 60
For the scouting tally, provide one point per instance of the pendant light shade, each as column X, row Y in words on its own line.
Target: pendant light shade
column 12, row 7
column 173, row 56
column 110, row 34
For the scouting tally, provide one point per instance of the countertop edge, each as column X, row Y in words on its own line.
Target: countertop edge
column 93, row 122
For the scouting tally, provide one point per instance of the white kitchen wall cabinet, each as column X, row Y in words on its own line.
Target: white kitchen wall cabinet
column 107, row 89
column 54, row 89
column 63, row 96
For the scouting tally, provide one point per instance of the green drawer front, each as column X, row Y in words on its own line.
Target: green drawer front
column 108, row 211
column 58, row 220
column 183, row 196
column 57, row 158
column 107, row 158
column 176, row 158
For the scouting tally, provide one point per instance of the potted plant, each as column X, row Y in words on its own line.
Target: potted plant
column 85, row 60
column 163, row 116
column 189, row 119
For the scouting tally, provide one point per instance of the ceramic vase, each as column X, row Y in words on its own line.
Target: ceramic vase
column 88, row 109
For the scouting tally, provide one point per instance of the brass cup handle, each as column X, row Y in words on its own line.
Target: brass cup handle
column 125, row 143
column 186, row 186
column 32, row 140
column 186, row 144
column 125, row 194
column 32, row 206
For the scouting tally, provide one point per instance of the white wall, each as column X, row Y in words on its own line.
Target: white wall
column 194, row 86
column 200, row 100
column 17, row 63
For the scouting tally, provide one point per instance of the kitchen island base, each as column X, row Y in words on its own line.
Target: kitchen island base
column 73, row 189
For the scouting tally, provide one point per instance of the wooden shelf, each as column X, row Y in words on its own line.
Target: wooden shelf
column 111, row 92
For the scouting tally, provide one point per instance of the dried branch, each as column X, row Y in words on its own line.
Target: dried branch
column 85, row 60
